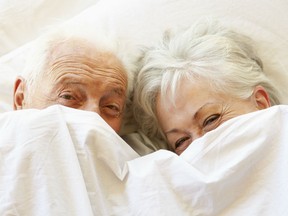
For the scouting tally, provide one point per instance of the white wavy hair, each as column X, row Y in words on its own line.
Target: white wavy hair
column 205, row 50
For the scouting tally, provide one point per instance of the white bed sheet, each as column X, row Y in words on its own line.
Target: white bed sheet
column 61, row 161
column 24, row 21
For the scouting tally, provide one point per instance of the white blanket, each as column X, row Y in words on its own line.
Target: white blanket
column 61, row 161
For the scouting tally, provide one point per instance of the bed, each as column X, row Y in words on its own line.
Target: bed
column 61, row 161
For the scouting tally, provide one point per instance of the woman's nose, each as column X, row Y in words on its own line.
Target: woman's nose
column 197, row 134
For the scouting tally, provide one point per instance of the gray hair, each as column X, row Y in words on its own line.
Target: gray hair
column 39, row 54
column 207, row 51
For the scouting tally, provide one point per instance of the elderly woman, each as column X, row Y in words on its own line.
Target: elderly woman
column 195, row 80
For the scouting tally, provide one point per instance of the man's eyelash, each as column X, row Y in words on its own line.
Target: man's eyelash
column 67, row 96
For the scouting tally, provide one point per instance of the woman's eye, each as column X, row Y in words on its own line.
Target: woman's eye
column 181, row 141
column 211, row 119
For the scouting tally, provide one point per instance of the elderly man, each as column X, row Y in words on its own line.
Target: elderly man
column 74, row 72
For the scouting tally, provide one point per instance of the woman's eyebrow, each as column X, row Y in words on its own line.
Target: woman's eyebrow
column 195, row 116
column 201, row 108
column 173, row 130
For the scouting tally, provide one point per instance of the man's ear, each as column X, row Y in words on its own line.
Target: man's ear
column 261, row 98
column 18, row 96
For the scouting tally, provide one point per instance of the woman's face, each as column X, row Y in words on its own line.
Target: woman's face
column 198, row 109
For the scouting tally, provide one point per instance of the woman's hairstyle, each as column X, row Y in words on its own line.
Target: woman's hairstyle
column 208, row 51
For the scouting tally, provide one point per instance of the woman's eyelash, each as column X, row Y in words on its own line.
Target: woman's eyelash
column 211, row 119
column 180, row 141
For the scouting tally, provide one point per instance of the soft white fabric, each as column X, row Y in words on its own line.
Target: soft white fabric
column 23, row 21
column 61, row 161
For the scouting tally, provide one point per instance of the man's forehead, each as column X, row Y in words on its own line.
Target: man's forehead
column 108, row 81
column 71, row 46
column 81, row 51
column 77, row 56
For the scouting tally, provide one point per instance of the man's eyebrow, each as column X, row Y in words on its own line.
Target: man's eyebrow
column 116, row 91
column 60, row 84
column 63, row 83
column 66, row 80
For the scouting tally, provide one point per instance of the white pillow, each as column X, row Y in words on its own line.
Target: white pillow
column 23, row 21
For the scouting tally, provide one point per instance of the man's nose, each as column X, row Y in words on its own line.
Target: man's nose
column 92, row 106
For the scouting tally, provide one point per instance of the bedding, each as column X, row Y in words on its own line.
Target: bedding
column 62, row 161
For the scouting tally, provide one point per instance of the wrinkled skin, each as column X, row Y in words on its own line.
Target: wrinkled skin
column 198, row 110
column 79, row 76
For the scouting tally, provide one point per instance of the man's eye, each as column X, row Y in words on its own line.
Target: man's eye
column 113, row 107
column 113, row 110
column 67, row 97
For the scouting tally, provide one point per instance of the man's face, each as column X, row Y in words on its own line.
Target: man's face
column 81, row 77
